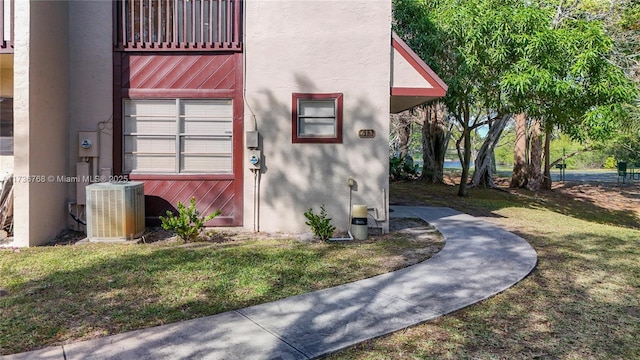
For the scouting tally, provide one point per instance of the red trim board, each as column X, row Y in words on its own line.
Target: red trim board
column 439, row 87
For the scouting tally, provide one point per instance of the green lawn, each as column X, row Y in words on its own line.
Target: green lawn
column 581, row 302
column 69, row 293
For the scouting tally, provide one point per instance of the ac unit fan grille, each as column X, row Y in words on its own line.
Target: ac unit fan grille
column 115, row 211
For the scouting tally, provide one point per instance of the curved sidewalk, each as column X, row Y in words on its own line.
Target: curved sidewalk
column 479, row 260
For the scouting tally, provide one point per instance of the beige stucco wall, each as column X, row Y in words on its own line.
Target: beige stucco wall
column 41, row 101
column 405, row 75
column 317, row 47
column 91, row 83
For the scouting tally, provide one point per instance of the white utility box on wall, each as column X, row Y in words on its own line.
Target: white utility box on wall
column 115, row 211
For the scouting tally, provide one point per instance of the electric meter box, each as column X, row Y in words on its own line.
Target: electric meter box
column 88, row 144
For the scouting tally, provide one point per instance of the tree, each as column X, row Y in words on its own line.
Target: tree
column 535, row 164
column 435, row 139
column 520, row 173
column 482, row 175
column 567, row 81
column 625, row 146
column 401, row 132
column 504, row 57
column 470, row 44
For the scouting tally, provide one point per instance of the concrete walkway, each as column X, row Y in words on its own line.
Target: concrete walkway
column 478, row 261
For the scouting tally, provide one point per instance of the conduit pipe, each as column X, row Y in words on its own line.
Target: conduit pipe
column 351, row 183
column 256, row 200
column 384, row 209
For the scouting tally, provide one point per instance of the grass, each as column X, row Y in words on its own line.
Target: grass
column 581, row 302
column 69, row 293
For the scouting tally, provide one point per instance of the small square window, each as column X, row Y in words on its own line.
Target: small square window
column 316, row 118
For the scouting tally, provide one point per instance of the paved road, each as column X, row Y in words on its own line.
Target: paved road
column 603, row 177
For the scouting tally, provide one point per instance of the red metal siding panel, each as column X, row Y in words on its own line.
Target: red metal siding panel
column 184, row 75
column 210, row 195
column 201, row 71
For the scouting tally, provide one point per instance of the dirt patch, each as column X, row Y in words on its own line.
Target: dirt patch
column 425, row 241
column 604, row 203
column 415, row 230
column 607, row 197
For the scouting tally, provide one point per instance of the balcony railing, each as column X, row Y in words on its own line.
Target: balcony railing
column 6, row 26
column 177, row 25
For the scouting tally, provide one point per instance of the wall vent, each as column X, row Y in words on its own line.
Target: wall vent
column 115, row 211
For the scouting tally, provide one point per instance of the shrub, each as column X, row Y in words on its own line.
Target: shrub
column 402, row 169
column 610, row 163
column 320, row 224
column 188, row 223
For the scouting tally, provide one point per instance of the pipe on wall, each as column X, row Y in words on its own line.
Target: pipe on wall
column 376, row 217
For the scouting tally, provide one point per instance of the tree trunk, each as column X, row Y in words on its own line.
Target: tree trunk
column 546, row 181
column 435, row 138
column 535, row 169
column 520, row 176
column 465, row 161
column 482, row 176
column 404, row 135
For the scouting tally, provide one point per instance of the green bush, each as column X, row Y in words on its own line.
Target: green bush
column 402, row 168
column 320, row 224
column 188, row 223
column 610, row 163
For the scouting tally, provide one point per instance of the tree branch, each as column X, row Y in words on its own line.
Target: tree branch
column 587, row 149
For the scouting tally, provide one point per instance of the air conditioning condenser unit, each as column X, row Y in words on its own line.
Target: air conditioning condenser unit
column 115, row 211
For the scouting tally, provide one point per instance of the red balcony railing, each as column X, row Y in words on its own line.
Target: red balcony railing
column 6, row 26
column 177, row 25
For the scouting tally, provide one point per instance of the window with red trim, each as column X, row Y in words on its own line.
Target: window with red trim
column 316, row 118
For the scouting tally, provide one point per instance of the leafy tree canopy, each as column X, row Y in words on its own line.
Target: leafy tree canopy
column 512, row 56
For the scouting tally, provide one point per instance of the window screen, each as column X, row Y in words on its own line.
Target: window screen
column 178, row 136
column 317, row 118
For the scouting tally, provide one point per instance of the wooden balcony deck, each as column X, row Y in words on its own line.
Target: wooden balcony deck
column 177, row 25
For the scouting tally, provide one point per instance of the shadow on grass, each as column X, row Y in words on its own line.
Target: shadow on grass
column 484, row 202
column 106, row 289
column 580, row 302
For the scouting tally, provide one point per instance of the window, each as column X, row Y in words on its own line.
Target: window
column 6, row 126
column 317, row 118
column 178, row 136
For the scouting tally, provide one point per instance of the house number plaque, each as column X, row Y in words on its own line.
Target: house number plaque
column 367, row 133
